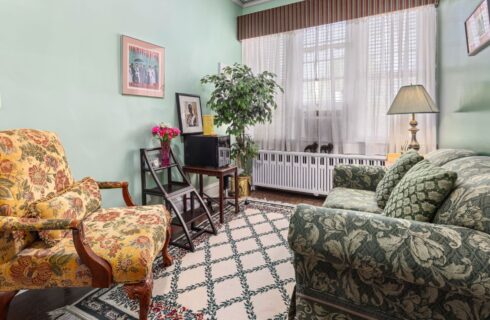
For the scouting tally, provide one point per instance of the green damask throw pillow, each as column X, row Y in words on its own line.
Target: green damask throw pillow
column 420, row 192
column 394, row 175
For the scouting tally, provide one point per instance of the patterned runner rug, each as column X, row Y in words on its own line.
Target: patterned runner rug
column 244, row 272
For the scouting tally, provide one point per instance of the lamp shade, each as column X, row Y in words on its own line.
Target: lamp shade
column 413, row 99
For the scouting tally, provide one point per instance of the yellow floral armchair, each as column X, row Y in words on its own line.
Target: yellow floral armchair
column 53, row 232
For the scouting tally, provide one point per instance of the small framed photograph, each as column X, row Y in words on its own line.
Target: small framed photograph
column 478, row 28
column 143, row 68
column 190, row 113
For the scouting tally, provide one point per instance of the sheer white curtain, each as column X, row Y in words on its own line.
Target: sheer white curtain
column 340, row 79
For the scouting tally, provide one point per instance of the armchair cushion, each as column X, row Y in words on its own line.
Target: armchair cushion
column 352, row 199
column 395, row 175
column 43, row 266
column 73, row 203
column 359, row 177
column 33, row 166
column 421, row 192
column 129, row 239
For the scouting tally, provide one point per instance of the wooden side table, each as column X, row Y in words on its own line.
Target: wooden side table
column 219, row 173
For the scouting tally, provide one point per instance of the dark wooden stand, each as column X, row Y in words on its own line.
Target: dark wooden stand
column 219, row 173
column 172, row 191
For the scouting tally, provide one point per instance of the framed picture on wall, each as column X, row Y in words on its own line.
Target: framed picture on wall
column 143, row 68
column 190, row 113
column 478, row 28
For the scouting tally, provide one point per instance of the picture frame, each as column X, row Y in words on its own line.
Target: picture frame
column 477, row 28
column 190, row 113
column 143, row 68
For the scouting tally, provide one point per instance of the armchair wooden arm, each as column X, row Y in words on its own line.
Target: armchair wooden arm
column 119, row 185
column 100, row 269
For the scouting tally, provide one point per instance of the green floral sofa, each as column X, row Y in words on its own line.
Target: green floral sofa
column 352, row 262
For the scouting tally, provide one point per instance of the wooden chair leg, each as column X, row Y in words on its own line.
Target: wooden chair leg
column 5, row 299
column 167, row 258
column 141, row 292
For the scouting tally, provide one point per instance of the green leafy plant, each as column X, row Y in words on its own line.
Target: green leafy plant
column 242, row 99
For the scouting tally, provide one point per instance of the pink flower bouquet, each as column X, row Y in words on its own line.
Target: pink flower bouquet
column 165, row 133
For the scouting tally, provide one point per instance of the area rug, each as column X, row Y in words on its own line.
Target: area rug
column 244, row 272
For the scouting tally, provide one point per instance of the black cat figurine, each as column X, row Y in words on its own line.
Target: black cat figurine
column 313, row 148
column 326, row 148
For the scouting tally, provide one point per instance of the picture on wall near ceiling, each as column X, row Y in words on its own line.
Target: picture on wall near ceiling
column 478, row 28
column 143, row 68
column 190, row 113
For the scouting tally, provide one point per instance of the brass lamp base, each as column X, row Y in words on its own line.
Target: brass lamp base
column 414, row 143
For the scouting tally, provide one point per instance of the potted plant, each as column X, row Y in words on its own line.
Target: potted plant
column 242, row 99
column 165, row 133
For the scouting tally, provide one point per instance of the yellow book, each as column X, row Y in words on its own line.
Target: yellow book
column 208, row 125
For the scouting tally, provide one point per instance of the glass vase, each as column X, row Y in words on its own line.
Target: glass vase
column 165, row 153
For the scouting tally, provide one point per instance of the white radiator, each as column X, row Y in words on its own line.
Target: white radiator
column 302, row 172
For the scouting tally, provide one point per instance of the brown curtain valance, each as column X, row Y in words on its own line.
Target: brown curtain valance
column 311, row 13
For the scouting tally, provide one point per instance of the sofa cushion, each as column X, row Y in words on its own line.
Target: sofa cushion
column 73, row 203
column 352, row 199
column 394, row 174
column 469, row 204
column 442, row 156
column 421, row 192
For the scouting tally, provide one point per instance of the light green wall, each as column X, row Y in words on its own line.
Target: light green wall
column 464, row 82
column 60, row 71
column 268, row 5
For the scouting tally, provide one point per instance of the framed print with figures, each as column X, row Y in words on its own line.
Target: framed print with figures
column 143, row 68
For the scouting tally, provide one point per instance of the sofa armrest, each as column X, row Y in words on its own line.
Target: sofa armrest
column 358, row 176
column 36, row 224
column 446, row 257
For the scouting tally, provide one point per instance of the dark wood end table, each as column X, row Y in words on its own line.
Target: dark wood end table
column 219, row 173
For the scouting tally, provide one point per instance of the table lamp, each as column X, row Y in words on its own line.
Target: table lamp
column 413, row 99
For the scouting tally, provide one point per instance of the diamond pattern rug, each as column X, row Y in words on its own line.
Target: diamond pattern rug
column 244, row 272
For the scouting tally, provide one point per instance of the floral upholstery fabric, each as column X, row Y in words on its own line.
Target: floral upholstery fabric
column 352, row 199
column 44, row 266
column 128, row 238
column 469, row 204
column 387, row 268
column 74, row 203
column 359, row 177
column 421, row 192
column 34, row 224
column 394, row 175
column 313, row 310
column 442, row 156
column 32, row 166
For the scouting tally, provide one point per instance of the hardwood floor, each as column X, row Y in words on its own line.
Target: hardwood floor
column 287, row 197
column 35, row 304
